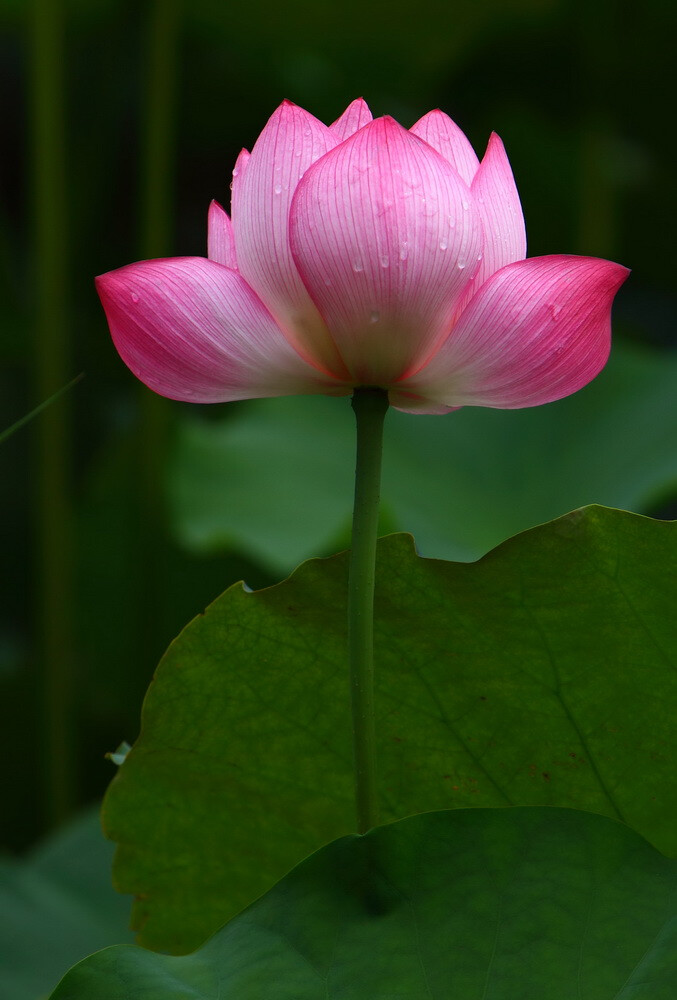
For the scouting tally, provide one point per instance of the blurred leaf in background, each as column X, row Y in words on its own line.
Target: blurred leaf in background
column 57, row 906
column 272, row 479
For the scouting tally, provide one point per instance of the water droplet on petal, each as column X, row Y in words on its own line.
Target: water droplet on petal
column 375, row 316
column 460, row 265
column 278, row 188
column 236, row 171
column 555, row 310
column 404, row 251
column 385, row 260
column 135, row 297
column 327, row 281
column 357, row 266
column 443, row 244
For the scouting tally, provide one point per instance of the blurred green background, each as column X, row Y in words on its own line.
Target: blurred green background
column 122, row 515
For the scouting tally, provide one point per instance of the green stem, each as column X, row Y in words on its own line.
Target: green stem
column 53, row 433
column 370, row 406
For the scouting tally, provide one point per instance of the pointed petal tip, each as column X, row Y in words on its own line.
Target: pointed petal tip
column 355, row 116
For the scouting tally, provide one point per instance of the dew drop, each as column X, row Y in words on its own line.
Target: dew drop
column 460, row 265
column 375, row 316
column 278, row 188
column 466, row 206
column 236, row 171
column 404, row 251
column 443, row 244
column 555, row 310
column 135, row 297
column 357, row 267
column 327, row 281
column 385, row 260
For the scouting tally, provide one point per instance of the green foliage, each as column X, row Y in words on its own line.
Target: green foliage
column 544, row 903
column 542, row 674
column 56, row 907
column 274, row 478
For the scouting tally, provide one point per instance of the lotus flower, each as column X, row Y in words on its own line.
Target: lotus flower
column 363, row 254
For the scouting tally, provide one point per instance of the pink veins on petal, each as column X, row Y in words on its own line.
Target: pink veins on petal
column 361, row 253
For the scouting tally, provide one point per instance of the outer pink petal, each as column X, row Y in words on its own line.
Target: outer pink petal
column 220, row 242
column 385, row 236
column 353, row 118
column 498, row 202
column 539, row 329
column 291, row 141
column 194, row 330
column 438, row 130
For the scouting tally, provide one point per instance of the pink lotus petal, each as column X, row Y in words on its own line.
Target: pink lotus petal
column 538, row 330
column 291, row 141
column 238, row 173
column 220, row 242
column 438, row 130
column 386, row 236
column 505, row 239
column 194, row 330
column 353, row 118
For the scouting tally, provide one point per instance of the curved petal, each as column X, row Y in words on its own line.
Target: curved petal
column 353, row 118
column 505, row 239
column 385, row 236
column 194, row 330
column 220, row 242
column 537, row 330
column 290, row 142
column 444, row 135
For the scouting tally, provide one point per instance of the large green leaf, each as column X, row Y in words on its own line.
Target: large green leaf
column 274, row 478
column 508, row 904
column 543, row 674
column 56, row 906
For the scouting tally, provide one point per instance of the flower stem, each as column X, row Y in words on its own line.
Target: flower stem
column 370, row 406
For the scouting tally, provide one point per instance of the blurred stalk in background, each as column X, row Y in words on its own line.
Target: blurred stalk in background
column 598, row 199
column 52, row 369
column 156, row 213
